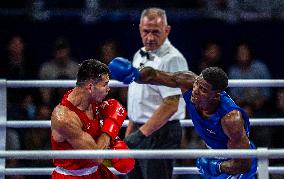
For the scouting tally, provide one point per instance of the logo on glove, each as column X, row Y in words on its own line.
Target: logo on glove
column 120, row 111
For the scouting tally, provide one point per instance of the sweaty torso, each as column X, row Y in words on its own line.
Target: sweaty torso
column 209, row 127
column 89, row 122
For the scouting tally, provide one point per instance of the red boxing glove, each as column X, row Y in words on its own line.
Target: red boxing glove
column 123, row 165
column 114, row 114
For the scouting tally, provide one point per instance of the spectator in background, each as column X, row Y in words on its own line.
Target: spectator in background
column 62, row 66
column 223, row 9
column 278, row 135
column 252, row 99
column 277, row 131
column 263, row 8
column 13, row 143
column 17, row 65
column 107, row 51
column 247, row 67
column 38, row 139
column 211, row 55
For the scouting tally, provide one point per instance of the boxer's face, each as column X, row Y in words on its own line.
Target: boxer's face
column 202, row 92
column 101, row 89
column 153, row 32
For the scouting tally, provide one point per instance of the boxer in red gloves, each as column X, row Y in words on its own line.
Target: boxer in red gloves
column 114, row 114
column 75, row 125
column 123, row 165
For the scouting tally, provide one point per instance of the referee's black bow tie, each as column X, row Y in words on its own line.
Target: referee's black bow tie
column 144, row 54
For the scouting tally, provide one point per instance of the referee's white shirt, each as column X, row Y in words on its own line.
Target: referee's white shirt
column 144, row 99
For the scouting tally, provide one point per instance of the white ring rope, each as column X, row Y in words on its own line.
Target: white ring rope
column 142, row 154
column 114, row 83
column 52, row 83
column 176, row 171
column 48, row 171
column 184, row 123
column 256, row 83
column 263, row 154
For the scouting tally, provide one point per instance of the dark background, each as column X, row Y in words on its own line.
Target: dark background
column 189, row 33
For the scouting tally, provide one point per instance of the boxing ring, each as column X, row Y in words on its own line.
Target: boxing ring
column 263, row 154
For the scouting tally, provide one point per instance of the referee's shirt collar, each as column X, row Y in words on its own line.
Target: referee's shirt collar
column 163, row 50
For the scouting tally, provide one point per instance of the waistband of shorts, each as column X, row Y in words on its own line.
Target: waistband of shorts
column 79, row 172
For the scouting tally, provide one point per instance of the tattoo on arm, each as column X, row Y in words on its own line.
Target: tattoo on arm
column 172, row 99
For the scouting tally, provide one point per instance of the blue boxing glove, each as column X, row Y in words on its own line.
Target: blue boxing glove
column 209, row 167
column 122, row 70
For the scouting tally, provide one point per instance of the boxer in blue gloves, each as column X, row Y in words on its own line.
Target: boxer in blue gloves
column 217, row 119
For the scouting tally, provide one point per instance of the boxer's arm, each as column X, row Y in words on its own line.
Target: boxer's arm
column 182, row 79
column 66, row 126
column 161, row 116
column 103, row 141
column 122, row 70
column 233, row 126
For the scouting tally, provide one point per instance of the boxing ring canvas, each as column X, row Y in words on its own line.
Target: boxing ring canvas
column 263, row 154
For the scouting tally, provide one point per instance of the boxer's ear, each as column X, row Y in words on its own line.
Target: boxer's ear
column 89, row 86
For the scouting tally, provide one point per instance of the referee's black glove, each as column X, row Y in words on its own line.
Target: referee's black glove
column 135, row 139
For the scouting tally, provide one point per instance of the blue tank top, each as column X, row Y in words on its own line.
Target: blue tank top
column 210, row 129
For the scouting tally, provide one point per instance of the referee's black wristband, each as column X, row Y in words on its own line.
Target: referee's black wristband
column 134, row 139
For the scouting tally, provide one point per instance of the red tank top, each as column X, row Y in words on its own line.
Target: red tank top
column 91, row 126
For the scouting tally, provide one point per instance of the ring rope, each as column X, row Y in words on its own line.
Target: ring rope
column 114, row 83
column 176, row 171
column 261, row 153
column 184, row 123
column 48, row 171
column 142, row 154
column 52, row 83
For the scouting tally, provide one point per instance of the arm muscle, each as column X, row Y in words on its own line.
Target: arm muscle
column 66, row 126
column 183, row 79
column 233, row 126
column 161, row 116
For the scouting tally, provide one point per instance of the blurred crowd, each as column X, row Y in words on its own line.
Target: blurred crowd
column 231, row 10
